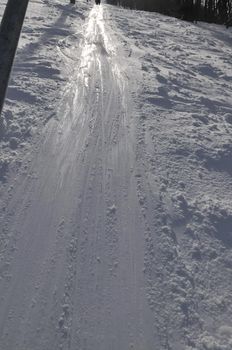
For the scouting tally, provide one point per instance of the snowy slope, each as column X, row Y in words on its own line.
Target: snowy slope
column 36, row 84
column 115, row 207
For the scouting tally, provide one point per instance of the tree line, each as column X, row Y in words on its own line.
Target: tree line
column 217, row 11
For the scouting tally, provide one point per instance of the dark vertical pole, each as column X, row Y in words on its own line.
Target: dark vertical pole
column 10, row 30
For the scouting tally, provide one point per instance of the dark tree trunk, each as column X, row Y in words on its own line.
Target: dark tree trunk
column 10, row 30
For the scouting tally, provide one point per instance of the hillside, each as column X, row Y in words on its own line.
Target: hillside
column 115, row 183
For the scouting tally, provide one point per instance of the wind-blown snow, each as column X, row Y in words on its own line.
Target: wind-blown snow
column 115, row 183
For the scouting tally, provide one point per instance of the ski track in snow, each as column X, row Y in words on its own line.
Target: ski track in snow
column 74, row 263
column 116, row 234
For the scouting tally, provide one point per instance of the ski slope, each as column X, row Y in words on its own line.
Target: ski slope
column 115, row 202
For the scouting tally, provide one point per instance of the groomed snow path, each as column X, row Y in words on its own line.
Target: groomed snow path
column 75, row 258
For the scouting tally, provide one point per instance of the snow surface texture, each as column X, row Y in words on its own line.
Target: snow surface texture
column 115, row 207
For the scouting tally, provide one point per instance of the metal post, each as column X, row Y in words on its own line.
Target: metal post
column 10, row 30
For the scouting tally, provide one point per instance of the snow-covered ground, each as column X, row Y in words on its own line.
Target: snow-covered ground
column 115, row 183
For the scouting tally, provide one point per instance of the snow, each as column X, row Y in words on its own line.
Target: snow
column 115, row 183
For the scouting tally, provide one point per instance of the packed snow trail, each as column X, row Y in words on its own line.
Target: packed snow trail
column 74, row 261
